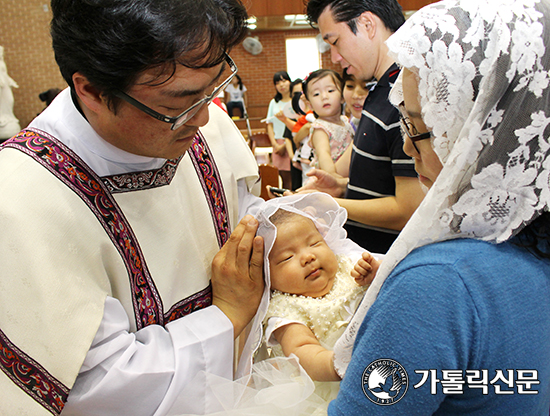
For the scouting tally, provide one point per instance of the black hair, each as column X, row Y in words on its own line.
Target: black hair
column 296, row 103
column 389, row 11
column 535, row 237
column 321, row 73
column 279, row 76
column 111, row 42
column 346, row 77
column 297, row 81
column 240, row 81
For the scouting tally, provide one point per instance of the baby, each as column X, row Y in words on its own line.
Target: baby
column 315, row 292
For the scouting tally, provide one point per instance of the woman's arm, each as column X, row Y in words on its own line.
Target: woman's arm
column 288, row 122
column 298, row 339
column 277, row 148
column 320, row 142
column 302, row 134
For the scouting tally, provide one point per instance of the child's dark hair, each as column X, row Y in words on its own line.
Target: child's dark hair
column 346, row 77
column 321, row 73
column 279, row 76
column 282, row 216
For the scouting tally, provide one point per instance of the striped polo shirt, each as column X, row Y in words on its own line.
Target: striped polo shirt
column 377, row 157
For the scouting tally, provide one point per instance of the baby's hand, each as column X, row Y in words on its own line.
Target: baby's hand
column 365, row 269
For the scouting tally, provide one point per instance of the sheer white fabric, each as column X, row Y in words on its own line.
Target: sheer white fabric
column 483, row 84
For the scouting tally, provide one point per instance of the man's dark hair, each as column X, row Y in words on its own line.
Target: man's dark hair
column 111, row 42
column 347, row 11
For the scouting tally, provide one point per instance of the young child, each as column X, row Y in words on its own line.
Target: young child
column 355, row 93
column 313, row 288
column 330, row 133
column 309, row 265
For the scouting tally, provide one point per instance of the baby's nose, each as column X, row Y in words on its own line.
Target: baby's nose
column 308, row 258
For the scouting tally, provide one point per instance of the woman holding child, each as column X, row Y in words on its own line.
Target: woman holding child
column 464, row 292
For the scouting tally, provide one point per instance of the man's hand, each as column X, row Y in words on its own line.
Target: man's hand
column 237, row 275
column 332, row 184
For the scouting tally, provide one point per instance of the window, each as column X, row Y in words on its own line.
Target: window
column 302, row 57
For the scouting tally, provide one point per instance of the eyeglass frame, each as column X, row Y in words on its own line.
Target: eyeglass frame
column 404, row 119
column 189, row 113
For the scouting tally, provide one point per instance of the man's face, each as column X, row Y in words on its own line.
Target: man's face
column 134, row 131
column 355, row 52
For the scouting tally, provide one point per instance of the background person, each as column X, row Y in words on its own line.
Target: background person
column 114, row 286
column 355, row 93
column 476, row 124
column 381, row 190
column 330, row 133
column 235, row 96
column 282, row 148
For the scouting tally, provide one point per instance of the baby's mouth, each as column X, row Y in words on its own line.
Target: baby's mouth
column 314, row 274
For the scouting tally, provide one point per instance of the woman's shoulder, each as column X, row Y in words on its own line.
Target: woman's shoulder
column 470, row 260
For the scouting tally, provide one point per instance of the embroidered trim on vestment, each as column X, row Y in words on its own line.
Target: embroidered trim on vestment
column 212, row 185
column 63, row 163
column 31, row 377
column 142, row 180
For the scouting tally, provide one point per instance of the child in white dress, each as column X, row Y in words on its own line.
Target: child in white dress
column 330, row 133
column 316, row 288
column 314, row 291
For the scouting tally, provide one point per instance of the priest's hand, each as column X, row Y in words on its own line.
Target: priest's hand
column 237, row 274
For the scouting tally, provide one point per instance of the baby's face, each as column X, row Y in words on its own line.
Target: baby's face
column 300, row 261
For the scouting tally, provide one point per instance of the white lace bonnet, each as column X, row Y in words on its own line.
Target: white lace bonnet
column 483, row 83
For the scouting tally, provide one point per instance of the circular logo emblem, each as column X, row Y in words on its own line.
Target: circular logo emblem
column 385, row 382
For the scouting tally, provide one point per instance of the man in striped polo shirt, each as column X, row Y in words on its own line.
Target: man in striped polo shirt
column 382, row 190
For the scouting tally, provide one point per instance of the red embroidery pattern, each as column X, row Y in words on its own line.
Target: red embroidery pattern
column 71, row 170
column 193, row 303
column 31, row 377
column 212, row 186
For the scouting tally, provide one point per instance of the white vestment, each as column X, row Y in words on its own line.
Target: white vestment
column 68, row 306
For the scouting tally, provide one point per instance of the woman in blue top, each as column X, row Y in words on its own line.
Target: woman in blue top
column 457, row 320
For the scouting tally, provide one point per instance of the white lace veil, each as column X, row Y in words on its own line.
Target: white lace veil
column 483, row 81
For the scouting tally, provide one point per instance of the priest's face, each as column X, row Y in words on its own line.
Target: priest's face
column 133, row 130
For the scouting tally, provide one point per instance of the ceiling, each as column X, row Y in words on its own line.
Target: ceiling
column 288, row 22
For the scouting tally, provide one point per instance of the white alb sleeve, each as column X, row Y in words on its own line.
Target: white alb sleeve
column 144, row 372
